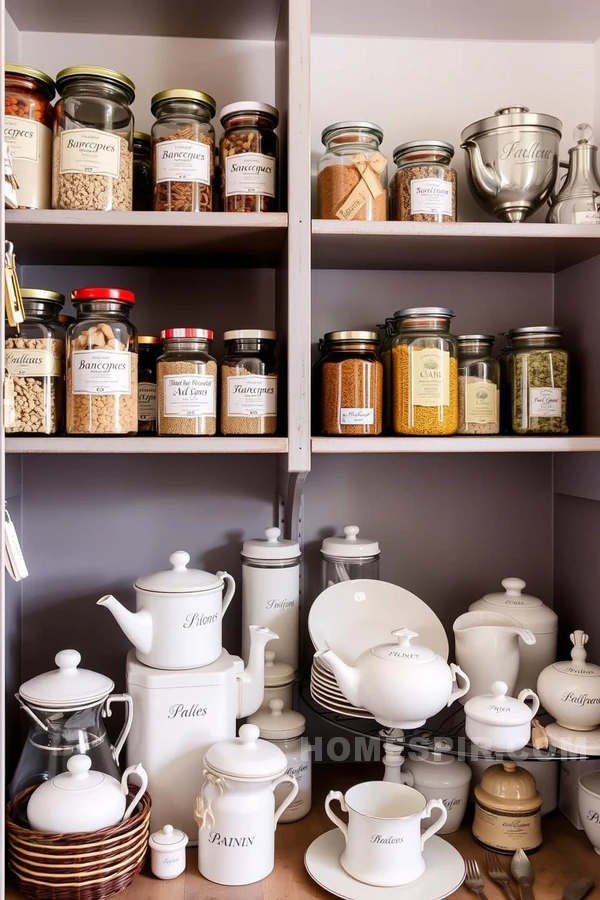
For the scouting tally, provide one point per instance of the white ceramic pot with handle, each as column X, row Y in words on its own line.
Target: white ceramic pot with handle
column 498, row 722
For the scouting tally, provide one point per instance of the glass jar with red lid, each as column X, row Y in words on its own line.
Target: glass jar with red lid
column 28, row 119
column 186, row 378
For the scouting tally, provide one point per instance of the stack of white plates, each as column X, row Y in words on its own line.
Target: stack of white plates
column 324, row 689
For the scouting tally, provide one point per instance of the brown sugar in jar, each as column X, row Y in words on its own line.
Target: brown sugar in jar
column 352, row 173
column 351, row 384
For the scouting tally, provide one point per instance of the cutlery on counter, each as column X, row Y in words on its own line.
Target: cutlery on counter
column 578, row 889
column 522, row 872
column 473, row 879
column 496, row 873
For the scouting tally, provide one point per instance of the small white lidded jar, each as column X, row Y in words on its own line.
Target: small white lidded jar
column 347, row 556
column 167, row 848
column 279, row 681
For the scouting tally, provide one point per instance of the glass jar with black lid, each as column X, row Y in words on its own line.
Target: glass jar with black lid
column 149, row 349
column 249, row 382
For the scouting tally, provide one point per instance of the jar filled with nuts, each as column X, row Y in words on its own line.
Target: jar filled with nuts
column 352, row 173
column 351, row 384
column 248, row 157
column 142, row 171
column 34, row 362
column 93, row 140
column 424, row 186
column 102, row 364
column 149, row 349
column 187, row 383
column 249, row 382
column 28, row 118
column 183, row 141
column 478, row 385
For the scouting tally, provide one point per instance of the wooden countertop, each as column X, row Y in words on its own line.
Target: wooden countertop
column 565, row 854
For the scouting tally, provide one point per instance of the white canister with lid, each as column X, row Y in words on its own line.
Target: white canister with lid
column 438, row 775
column 271, row 592
column 167, row 852
column 285, row 729
column 532, row 614
column 279, row 681
column 498, row 722
column 347, row 556
column 570, row 690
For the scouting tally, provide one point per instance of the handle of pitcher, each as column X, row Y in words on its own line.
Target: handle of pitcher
column 229, row 592
column 128, row 700
column 290, row 779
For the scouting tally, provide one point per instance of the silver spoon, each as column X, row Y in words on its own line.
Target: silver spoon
column 522, row 872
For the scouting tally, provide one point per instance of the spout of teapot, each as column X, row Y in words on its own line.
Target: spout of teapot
column 252, row 679
column 136, row 626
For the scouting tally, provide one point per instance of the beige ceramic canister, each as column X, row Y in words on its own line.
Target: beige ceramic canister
column 507, row 810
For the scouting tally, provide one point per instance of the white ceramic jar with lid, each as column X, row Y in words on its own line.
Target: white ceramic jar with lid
column 271, row 591
column 532, row 614
column 347, row 556
column 570, row 690
column 279, row 681
column 167, row 852
column 500, row 723
column 438, row 775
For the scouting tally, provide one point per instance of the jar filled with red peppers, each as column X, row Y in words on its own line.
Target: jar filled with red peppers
column 28, row 119
column 249, row 157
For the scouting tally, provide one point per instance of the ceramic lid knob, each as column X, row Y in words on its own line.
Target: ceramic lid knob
column 405, row 636
column 67, row 660
column 272, row 535
column 583, row 133
column 269, row 657
column 499, row 688
column 579, row 640
column 167, row 829
column 179, row 560
column 513, row 586
column 249, row 734
column 276, row 706
column 351, row 532
column 79, row 765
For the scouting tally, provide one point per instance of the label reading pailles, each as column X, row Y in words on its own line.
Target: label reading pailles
column 189, row 396
column 252, row 396
column 250, row 173
column 100, row 372
column 357, row 415
column 90, row 152
column 146, row 402
column 182, row 161
column 431, row 196
column 430, row 377
column 545, row 402
column 481, row 403
column 32, row 363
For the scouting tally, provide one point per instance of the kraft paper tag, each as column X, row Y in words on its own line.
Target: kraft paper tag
column 369, row 169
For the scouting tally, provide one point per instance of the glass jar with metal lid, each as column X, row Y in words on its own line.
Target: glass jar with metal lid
column 351, row 383
column 34, row 360
column 149, row 349
column 93, row 140
column 539, row 380
column 186, row 378
column 28, row 119
column 478, row 385
column 183, row 141
column 249, row 157
column 347, row 556
column 142, row 171
column 352, row 173
column 249, row 382
column 424, row 372
column 424, row 185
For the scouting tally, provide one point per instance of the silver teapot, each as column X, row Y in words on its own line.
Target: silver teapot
column 578, row 199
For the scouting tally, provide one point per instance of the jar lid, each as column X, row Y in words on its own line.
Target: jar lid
column 183, row 94
column 246, row 757
column 66, row 686
column 36, row 74
column 278, row 724
column 99, row 72
column 402, row 652
column 141, row 137
column 578, row 664
column 328, row 132
column 508, row 787
column 498, row 709
column 80, row 775
column 148, row 339
column 471, row 338
column 371, row 337
column 536, row 329
column 277, row 674
column 38, row 294
column 273, row 547
column 426, row 147
column 511, row 117
column 168, row 838
column 103, row 293
column 438, row 312
column 349, row 545
column 179, row 579
column 204, row 334
column 257, row 334
column 250, row 107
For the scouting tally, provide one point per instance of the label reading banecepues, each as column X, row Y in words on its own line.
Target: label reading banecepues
column 545, row 402
column 146, row 401
column 431, row 195
column 182, row 161
column 189, row 396
column 90, row 152
column 96, row 372
column 252, row 396
column 250, row 173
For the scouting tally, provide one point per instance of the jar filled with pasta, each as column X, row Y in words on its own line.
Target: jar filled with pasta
column 248, row 157
column 28, row 119
column 539, row 374
column 351, row 376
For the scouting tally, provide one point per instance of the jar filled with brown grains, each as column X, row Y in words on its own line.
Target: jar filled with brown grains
column 187, row 383
column 142, row 171
column 424, row 185
column 92, row 155
column 183, row 141
column 149, row 349
column 478, row 385
column 249, row 382
column 28, row 119
column 351, row 383
column 102, row 364
column 424, row 372
column 352, row 173
column 34, row 362
column 248, row 157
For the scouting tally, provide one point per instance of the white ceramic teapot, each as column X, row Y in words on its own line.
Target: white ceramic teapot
column 570, row 690
column 401, row 684
column 500, row 723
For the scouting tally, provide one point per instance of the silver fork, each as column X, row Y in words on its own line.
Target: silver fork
column 473, row 878
column 497, row 873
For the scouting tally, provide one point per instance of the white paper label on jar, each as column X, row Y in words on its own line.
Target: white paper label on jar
column 350, row 415
column 90, row 152
column 252, row 396
column 22, row 137
column 481, row 403
column 30, row 145
column 189, row 396
column 430, row 377
column 250, row 173
column 32, row 363
column 545, row 402
column 146, row 402
column 431, row 196
column 588, row 217
column 100, row 372
column 182, row 161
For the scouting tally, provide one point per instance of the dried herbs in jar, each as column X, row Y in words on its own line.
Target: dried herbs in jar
column 539, row 374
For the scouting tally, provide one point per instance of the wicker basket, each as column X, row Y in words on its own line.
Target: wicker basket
column 88, row 866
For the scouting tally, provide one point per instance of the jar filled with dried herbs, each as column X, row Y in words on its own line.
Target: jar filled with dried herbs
column 351, row 383
column 424, row 372
column 478, row 385
column 248, row 157
column 539, row 381
column 424, row 185
column 186, row 378
column 249, row 382
column 352, row 173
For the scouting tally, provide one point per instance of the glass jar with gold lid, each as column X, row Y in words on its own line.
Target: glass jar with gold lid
column 28, row 119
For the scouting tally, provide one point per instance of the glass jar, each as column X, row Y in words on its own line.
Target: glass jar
column 102, row 363
column 187, row 383
column 142, row 171
column 424, row 372
column 478, row 385
column 386, row 359
column 34, row 361
column 64, row 322
column 183, row 141
column 352, row 173
column 505, row 361
column 346, row 557
column 28, row 118
column 249, row 382
column 351, row 383
column 149, row 349
column 249, row 184
column 424, row 185
column 539, row 380
column 93, row 140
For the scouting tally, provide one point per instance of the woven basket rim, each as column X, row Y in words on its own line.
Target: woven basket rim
column 67, row 848
column 74, row 880
column 125, row 846
column 42, row 863
column 97, row 881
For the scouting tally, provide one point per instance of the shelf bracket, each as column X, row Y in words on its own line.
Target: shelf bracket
column 290, row 492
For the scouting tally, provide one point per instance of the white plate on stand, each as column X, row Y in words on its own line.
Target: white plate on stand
column 587, row 743
column 444, row 872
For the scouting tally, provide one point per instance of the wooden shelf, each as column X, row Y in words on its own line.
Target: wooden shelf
column 74, row 237
column 456, row 444
column 462, row 246
column 146, row 445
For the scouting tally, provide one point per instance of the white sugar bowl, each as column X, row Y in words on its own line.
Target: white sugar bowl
column 500, row 723
column 570, row 690
column 167, row 852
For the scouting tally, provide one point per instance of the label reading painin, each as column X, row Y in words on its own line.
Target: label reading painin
column 430, row 377
column 32, row 363
column 545, row 402
column 431, row 196
column 100, row 372
column 350, row 415
column 182, row 161
column 250, row 173
column 189, row 396
column 481, row 403
column 146, row 402
column 90, row 152
column 252, row 396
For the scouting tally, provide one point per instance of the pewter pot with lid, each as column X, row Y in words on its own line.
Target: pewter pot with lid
column 512, row 161
column 578, row 199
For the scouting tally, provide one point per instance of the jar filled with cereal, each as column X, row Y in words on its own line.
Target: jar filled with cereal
column 102, row 364
column 424, row 372
column 249, row 382
column 28, row 118
column 187, row 383
column 248, row 157
column 149, row 349
column 424, row 184
column 352, row 173
column 478, row 385
column 351, row 383
column 34, row 359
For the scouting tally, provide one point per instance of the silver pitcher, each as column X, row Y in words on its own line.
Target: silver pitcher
column 512, row 161
column 578, row 199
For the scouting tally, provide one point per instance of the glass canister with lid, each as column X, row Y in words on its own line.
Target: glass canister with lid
column 345, row 557
column 248, row 157
column 28, row 119
column 142, row 171
column 93, row 140
column 352, row 173
column 351, row 383
column 425, row 372
column 149, row 349
column 539, row 372
column 424, row 185
column 249, row 382
column 187, row 383
column 478, row 385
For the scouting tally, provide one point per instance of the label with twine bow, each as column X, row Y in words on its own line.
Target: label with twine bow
column 369, row 168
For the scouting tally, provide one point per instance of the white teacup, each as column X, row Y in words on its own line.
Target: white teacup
column 384, row 844
column 589, row 806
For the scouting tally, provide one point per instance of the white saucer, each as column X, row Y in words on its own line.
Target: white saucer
column 335, row 707
column 444, row 872
column 587, row 743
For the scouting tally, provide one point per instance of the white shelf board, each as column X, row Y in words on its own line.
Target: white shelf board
column 459, row 246
column 146, row 445
column 456, row 444
column 211, row 239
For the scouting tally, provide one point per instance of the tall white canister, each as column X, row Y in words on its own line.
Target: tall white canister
column 271, row 592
